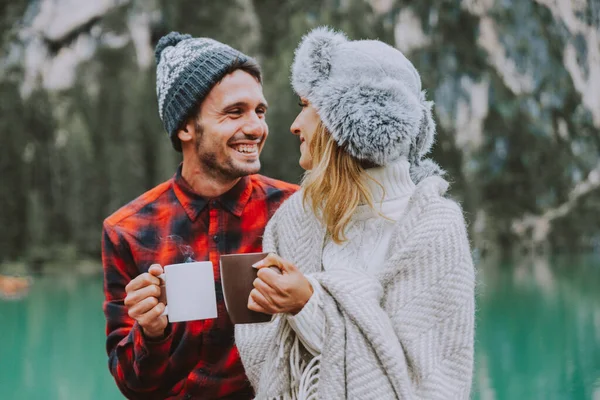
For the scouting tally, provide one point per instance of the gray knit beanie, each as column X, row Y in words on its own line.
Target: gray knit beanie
column 187, row 68
column 368, row 95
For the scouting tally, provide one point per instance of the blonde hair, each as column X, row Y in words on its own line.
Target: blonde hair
column 334, row 187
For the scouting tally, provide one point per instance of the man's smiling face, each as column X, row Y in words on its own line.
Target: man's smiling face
column 231, row 129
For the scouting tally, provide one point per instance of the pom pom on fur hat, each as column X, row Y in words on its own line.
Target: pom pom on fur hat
column 369, row 97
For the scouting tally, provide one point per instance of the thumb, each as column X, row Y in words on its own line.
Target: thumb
column 273, row 260
column 287, row 267
column 155, row 269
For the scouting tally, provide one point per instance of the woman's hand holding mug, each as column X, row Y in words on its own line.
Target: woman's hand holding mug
column 285, row 292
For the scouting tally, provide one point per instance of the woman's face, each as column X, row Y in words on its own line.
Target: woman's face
column 304, row 127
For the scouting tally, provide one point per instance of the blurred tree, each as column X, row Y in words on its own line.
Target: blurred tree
column 518, row 132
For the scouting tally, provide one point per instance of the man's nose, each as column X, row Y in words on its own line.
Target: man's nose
column 254, row 126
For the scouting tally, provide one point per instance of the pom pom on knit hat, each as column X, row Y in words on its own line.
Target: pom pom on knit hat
column 168, row 40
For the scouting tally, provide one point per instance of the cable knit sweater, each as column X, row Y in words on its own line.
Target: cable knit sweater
column 405, row 331
column 368, row 235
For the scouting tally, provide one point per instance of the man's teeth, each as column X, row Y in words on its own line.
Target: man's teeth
column 247, row 148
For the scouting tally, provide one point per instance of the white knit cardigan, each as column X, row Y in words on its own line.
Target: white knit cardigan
column 406, row 333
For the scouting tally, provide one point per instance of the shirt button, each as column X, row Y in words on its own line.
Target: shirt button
column 216, row 238
column 188, row 396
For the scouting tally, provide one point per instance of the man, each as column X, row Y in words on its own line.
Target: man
column 211, row 103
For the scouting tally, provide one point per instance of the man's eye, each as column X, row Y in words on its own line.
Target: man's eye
column 261, row 111
column 236, row 111
column 301, row 104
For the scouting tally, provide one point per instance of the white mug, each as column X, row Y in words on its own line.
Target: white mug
column 190, row 291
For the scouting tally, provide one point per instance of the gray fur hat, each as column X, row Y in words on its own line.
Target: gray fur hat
column 369, row 97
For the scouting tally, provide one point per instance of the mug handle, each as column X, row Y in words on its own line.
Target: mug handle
column 163, row 278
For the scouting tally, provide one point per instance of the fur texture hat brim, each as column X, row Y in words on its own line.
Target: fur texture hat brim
column 371, row 120
column 378, row 117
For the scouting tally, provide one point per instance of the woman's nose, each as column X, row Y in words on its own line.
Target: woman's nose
column 295, row 128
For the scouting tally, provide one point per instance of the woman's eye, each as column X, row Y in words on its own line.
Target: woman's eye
column 301, row 104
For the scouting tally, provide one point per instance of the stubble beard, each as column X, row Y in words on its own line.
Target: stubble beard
column 209, row 160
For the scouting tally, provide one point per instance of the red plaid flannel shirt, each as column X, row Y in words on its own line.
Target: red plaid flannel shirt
column 171, row 224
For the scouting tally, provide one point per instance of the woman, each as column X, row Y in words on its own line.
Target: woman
column 376, row 295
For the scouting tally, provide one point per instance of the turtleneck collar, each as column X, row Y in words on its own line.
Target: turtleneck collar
column 395, row 179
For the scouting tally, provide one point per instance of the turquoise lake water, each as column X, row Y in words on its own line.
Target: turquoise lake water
column 538, row 335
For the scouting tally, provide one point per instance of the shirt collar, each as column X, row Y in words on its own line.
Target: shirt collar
column 234, row 200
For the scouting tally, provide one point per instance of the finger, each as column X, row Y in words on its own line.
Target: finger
column 267, row 291
column 141, row 281
column 154, row 317
column 252, row 305
column 138, row 310
column 262, row 301
column 156, row 270
column 287, row 267
column 270, row 277
column 135, row 297
column 271, row 259
column 276, row 261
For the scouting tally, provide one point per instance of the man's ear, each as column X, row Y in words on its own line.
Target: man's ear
column 186, row 133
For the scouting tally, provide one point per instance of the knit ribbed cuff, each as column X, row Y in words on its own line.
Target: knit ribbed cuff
column 309, row 323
